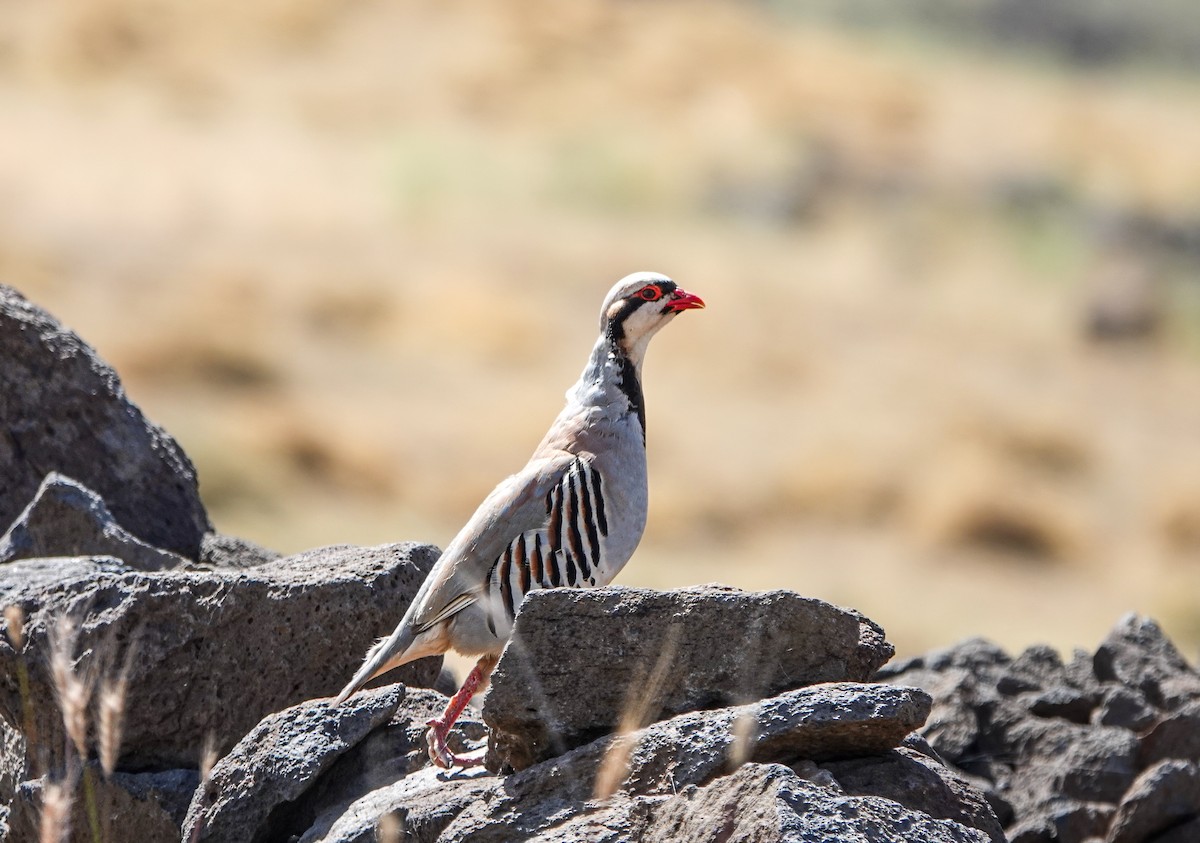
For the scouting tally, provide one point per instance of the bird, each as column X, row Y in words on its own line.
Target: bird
column 572, row 517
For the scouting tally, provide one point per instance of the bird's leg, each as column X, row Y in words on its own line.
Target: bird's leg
column 439, row 727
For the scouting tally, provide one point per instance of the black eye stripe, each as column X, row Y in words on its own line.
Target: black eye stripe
column 632, row 301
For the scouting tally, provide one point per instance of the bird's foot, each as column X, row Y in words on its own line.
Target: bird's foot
column 440, row 752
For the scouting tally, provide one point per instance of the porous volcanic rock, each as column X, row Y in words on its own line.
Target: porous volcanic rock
column 1099, row 747
column 64, row 410
column 581, row 662
column 223, row 551
column 696, row 776
column 66, row 518
column 212, row 651
column 142, row 807
column 1165, row 795
column 278, row 761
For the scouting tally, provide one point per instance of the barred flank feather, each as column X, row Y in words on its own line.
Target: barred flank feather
column 567, row 550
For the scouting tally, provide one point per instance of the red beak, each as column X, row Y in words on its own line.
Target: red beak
column 681, row 299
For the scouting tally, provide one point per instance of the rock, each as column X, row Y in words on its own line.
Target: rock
column 126, row 808
column 221, row 551
column 64, row 410
column 1064, row 702
column 1056, row 746
column 1186, row 832
column 168, row 790
column 1036, row 669
column 976, row 655
column 1121, row 706
column 953, row 726
column 558, row 799
column 313, row 771
column 766, row 803
column 13, row 769
column 823, row 721
column 758, row 803
column 1052, row 759
column 1072, row 820
column 921, row 784
column 421, row 804
column 394, row 752
column 1138, row 655
column 1032, row 830
column 1163, row 796
column 646, row 655
column 278, row 761
column 215, row 650
column 613, row 788
column 66, row 518
column 1175, row 736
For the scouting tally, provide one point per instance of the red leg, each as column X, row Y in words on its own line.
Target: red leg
column 439, row 753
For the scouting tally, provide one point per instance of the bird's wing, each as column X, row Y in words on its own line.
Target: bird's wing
column 459, row 577
column 518, row 504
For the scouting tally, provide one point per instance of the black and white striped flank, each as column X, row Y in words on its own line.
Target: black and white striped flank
column 567, row 551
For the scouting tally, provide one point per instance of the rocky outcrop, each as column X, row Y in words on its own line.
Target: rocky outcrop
column 1102, row 746
column 206, row 654
column 768, row 769
column 651, row 654
column 64, row 410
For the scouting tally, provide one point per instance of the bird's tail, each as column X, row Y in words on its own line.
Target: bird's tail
column 390, row 652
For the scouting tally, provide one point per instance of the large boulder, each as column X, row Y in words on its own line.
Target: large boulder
column 65, row 410
column 278, row 761
column 207, row 653
column 583, row 662
column 300, row 770
column 66, row 518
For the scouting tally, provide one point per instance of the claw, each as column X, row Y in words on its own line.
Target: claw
column 439, row 727
column 441, row 754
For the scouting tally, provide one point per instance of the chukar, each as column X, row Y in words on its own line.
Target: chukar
column 571, row 517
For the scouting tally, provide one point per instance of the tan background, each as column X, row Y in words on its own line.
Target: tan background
column 352, row 253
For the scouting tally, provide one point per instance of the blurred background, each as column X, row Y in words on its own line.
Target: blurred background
column 351, row 253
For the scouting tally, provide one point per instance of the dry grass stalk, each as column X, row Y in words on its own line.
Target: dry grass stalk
column 112, row 712
column 112, row 709
column 744, row 731
column 208, row 756
column 208, row 760
column 56, row 814
column 74, row 692
column 390, row 829
column 637, row 708
column 14, row 618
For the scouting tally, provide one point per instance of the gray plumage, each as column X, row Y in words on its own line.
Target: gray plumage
column 572, row 516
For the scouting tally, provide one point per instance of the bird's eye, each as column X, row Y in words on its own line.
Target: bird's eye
column 650, row 293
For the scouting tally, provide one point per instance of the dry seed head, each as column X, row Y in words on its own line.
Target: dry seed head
column 389, row 829
column 112, row 712
column 56, row 814
column 637, row 711
column 743, row 733
column 208, row 757
column 15, row 618
column 74, row 692
column 614, row 767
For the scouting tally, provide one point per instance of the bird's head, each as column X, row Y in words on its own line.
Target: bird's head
column 638, row 305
